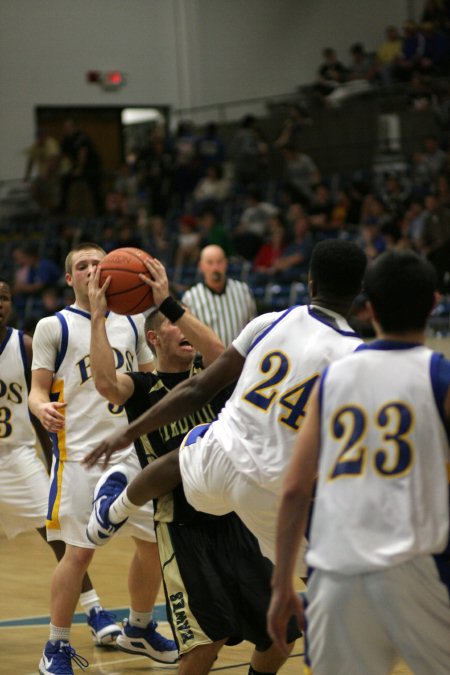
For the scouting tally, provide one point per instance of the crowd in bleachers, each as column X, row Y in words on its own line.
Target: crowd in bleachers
column 182, row 191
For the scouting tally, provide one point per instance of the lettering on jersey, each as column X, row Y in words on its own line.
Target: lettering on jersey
column 182, row 426
column 5, row 426
column 178, row 604
column 266, row 392
column 84, row 367
column 12, row 391
column 120, row 360
column 392, row 458
column 275, row 366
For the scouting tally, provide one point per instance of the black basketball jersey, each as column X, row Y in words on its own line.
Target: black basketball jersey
column 149, row 389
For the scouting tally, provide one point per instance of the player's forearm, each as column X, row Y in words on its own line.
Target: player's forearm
column 103, row 367
column 37, row 399
column 201, row 337
column 291, row 527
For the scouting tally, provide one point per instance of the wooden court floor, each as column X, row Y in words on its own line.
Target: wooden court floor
column 26, row 564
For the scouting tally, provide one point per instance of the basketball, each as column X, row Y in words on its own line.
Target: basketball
column 127, row 293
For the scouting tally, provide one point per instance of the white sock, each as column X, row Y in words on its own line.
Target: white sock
column 121, row 508
column 89, row 600
column 58, row 633
column 139, row 619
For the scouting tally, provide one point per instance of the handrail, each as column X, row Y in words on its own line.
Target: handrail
column 237, row 103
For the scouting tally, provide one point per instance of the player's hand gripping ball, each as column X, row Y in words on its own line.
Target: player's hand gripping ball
column 126, row 293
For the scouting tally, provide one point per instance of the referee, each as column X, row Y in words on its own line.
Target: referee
column 226, row 305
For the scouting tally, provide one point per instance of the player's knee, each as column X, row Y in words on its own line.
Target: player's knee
column 79, row 556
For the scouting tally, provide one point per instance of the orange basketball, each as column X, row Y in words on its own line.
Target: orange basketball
column 127, row 293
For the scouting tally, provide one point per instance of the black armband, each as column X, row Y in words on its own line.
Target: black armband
column 171, row 309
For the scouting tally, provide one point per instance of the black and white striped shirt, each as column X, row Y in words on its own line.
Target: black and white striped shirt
column 227, row 312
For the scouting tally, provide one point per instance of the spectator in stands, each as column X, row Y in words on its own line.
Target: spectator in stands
column 340, row 210
column 441, row 111
column 412, row 223
column 293, row 263
column 394, row 193
column 108, row 239
column 84, row 165
column 429, row 162
column 127, row 234
column 435, row 59
column 373, row 211
column 268, row 254
column 253, row 226
column 226, row 305
column 360, row 75
column 297, row 117
column 213, row 188
column 321, row 207
column 210, row 148
column 52, row 301
column 42, row 171
column 126, row 187
column 413, row 46
column 387, row 55
column 438, row 12
column 155, row 174
column 300, row 172
column 331, row 74
column 187, row 250
column 33, row 274
column 371, row 240
column 443, row 190
column 248, row 152
column 420, row 94
column 185, row 171
column 435, row 242
column 362, row 65
column 212, row 231
column 158, row 241
column 291, row 212
column 356, row 193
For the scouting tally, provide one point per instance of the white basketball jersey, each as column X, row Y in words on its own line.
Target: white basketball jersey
column 89, row 416
column 16, row 429
column 382, row 495
column 285, row 354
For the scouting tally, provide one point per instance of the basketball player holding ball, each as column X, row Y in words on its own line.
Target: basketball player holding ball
column 64, row 399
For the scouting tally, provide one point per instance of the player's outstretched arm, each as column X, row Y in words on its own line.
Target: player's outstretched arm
column 291, row 525
column 114, row 386
column 201, row 337
column 182, row 400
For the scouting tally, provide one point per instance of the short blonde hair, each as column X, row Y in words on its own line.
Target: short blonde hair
column 81, row 247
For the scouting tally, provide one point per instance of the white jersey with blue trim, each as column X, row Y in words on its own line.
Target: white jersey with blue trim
column 285, row 352
column 61, row 344
column 382, row 495
column 16, row 430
